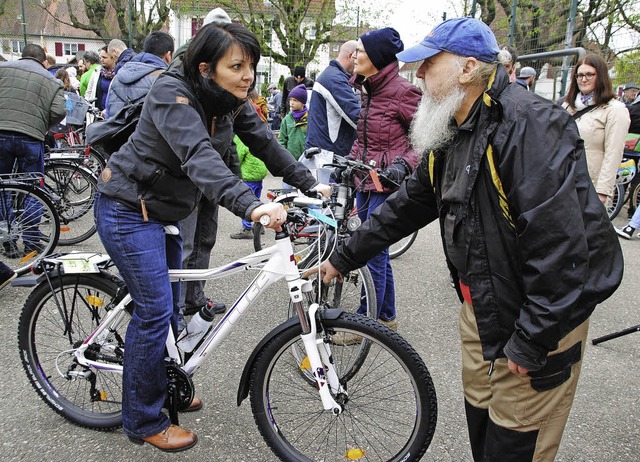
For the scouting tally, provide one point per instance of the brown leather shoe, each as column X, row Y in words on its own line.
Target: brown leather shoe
column 195, row 405
column 172, row 439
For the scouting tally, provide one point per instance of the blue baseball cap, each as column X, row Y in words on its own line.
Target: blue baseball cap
column 466, row 37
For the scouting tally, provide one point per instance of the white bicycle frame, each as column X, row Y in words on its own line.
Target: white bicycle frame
column 274, row 263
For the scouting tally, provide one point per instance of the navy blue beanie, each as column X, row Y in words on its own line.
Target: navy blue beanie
column 382, row 45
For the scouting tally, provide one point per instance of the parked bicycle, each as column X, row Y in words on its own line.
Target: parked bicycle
column 29, row 222
column 310, row 396
column 343, row 202
column 627, row 191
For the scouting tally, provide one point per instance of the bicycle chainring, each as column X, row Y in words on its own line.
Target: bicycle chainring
column 179, row 380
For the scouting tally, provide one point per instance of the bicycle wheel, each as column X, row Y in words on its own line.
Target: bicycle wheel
column 390, row 406
column 54, row 322
column 29, row 226
column 402, row 245
column 635, row 197
column 614, row 203
column 75, row 188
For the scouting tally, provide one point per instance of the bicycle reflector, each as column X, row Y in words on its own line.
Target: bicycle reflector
column 354, row 454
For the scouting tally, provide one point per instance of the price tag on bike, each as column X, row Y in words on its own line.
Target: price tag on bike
column 376, row 180
column 79, row 265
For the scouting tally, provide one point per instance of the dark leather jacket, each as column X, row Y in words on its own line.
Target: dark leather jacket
column 537, row 275
column 172, row 158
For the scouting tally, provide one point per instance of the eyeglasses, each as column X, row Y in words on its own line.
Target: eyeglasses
column 359, row 50
column 587, row 76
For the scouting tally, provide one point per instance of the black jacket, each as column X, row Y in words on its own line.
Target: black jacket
column 537, row 263
column 172, row 158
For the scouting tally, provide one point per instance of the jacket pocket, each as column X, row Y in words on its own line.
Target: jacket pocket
column 557, row 370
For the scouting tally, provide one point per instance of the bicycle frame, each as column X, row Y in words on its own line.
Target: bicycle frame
column 275, row 263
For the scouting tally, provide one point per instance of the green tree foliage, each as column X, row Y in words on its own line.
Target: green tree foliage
column 626, row 68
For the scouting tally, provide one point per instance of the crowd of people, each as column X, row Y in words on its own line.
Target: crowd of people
column 529, row 247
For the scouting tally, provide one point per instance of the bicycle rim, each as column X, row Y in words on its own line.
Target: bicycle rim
column 86, row 396
column 390, row 410
column 616, row 201
column 29, row 226
column 75, row 188
column 402, row 245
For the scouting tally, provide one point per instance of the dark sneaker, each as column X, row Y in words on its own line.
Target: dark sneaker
column 218, row 308
column 6, row 275
column 626, row 232
column 11, row 250
column 244, row 234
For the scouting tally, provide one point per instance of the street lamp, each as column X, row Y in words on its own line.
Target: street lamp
column 24, row 25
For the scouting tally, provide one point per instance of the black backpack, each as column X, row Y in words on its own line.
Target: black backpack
column 107, row 136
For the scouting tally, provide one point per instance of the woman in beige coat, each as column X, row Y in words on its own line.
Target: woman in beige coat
column 602, row 120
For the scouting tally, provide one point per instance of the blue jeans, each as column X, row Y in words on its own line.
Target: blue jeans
column 380, row 265
column 143, row 253
column 27, row 154
column 256, row 187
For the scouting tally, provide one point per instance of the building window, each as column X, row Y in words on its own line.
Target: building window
column 196, row 25
column 70, row 48
column 17, row 46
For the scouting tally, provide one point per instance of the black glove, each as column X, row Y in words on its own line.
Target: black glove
column 394, row 175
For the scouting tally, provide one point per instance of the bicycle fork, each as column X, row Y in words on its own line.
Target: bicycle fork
column 320, row 359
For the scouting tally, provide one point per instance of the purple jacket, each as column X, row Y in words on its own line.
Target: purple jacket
column 389, row 102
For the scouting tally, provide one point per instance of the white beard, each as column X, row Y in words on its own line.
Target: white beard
column 431, row 128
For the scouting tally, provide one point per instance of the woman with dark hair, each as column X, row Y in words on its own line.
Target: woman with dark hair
column 602, row 120
column 189, row 116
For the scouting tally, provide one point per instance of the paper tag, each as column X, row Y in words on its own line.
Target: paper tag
column 328, row 220
column 79, row 266
column 376, row 180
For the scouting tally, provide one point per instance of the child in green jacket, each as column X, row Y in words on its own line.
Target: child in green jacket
column 293, row 129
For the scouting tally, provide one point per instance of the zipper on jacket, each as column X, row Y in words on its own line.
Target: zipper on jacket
column 364, row 129
column 492, row 367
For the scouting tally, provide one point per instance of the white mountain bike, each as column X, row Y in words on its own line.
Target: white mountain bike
column 312, row 398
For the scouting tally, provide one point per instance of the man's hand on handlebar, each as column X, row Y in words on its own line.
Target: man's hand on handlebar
column 276, row 213
column 323, row 189
column 327, row 272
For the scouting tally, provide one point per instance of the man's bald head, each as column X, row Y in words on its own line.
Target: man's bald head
column 345, row 55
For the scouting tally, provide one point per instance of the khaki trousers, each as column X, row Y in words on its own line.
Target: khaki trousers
column 518, row 415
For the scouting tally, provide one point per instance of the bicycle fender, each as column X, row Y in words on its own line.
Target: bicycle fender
column 243, row 387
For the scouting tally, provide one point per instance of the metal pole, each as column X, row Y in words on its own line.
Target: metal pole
column 24, row 25
column 358, row 21
column 473, row 9
column 568, row 43
column 512, row 23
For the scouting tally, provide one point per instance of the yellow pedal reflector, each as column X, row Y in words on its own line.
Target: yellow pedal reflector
column 28, row 256
column 305, row 365
column 94, row 301
column 103, row 395
column 65, row 229
column 354, row 454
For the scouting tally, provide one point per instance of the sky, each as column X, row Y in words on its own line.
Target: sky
column 413, row 19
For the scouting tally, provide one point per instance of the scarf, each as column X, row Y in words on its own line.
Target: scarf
column 108, row 74
column 297, row 115
column 582, row 101
column 215, row 99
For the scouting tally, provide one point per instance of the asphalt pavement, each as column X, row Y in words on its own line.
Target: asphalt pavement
column 604, row 424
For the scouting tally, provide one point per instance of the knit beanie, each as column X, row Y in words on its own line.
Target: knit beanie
column 382, row 45
column 299, row 71
column 299, row 93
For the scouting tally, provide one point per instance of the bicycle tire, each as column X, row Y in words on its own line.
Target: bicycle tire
column 288, row 414
column 402, row 245
column 26, row 211
column 75, row 188
column 46, row 349
column 635, row 197
column 616, row 201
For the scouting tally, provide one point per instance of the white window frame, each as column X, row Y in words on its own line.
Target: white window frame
column 17, row 46
column 68, row 49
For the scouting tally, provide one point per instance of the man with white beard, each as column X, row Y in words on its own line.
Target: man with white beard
column 526, row 239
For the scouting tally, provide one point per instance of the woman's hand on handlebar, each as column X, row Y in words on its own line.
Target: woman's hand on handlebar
column 276, row 213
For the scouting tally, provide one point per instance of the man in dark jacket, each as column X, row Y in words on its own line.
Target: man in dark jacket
column 31, row 101
column 526, row 239
column 334, row 107
column 135, row 78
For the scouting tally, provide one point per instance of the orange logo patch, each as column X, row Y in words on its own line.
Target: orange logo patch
column 182, row 100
